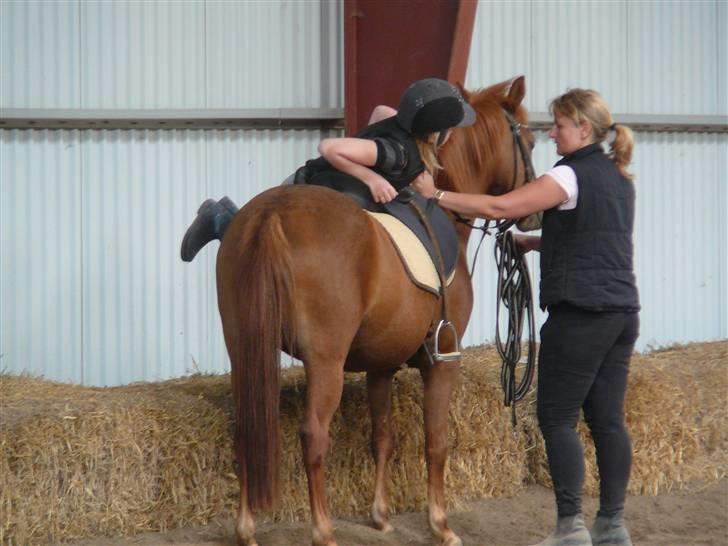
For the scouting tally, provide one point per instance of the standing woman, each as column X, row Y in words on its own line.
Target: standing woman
column 588, row 287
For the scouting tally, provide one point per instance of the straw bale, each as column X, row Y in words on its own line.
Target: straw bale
column 79, row 462
column 676, row 413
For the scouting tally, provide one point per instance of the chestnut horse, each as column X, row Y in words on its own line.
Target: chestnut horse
column 304, row 269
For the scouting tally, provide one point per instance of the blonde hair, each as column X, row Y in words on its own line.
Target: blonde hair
column 428, row 152
column 580, row 105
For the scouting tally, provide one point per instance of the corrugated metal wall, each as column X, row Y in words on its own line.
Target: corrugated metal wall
column 644, row 58
column 171, row 54
column 92, row 289
column 91, row 286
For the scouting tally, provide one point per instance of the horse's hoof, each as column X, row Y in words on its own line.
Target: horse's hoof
column 380, row 517
column 452, row 541
column 320, row 539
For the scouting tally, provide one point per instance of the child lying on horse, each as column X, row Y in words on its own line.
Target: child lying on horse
column 395, row 149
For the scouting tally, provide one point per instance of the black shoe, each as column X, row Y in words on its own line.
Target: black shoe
column 211, row 223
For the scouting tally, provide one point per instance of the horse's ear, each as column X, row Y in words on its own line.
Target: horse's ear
column 516, row 92
column 464, row 92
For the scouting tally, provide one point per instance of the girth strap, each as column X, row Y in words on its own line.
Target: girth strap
column 444, row 324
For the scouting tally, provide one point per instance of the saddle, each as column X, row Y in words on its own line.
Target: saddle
column 408, row 208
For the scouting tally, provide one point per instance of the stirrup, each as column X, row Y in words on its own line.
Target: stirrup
column 446, row 357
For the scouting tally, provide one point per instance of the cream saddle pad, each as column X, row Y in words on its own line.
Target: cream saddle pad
column 415, row 258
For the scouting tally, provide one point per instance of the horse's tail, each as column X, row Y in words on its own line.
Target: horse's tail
column 263, row 309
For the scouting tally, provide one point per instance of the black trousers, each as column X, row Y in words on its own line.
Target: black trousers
column 583, row 364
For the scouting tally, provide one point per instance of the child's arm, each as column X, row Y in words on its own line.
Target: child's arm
column 354, row 156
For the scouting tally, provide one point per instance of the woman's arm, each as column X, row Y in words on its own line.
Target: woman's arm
column 354, row 156
column 541, row 194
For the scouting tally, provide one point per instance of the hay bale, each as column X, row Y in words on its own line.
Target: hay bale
column 80, row 462
column 675, row 410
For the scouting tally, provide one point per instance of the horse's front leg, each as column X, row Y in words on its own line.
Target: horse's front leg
column 325, row 382
column 379, row 388
column 439, row 381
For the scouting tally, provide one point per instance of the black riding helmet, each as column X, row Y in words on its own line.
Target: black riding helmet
column 433, row 105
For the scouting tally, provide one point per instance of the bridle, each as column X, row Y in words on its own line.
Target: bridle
column 518, row 143
column 502, row 226
column 513, row 288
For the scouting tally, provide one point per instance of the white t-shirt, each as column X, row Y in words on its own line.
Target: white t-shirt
column 566, row 178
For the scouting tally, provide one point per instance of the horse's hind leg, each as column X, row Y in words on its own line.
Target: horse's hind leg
column 439, row 381
column 325, row 382
column 245, row 525
column 379, row 387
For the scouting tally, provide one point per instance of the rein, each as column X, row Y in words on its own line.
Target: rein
column 514, row 291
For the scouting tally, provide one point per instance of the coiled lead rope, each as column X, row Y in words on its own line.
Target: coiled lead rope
column 514, row 294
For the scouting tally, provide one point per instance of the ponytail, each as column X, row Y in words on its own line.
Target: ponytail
column 587, row 105
column 620, row 150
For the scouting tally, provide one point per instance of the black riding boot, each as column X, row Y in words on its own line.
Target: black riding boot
column 212, row 220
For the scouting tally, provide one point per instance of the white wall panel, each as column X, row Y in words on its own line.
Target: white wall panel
column 673, row 57
column 643, row 57
column 579, row 44
column 501, row 47
column 721, row 22
column 174, row 54
column 555, row 44
column 39, row 54
column 132, row 276
column 91, row 285
column 680, row 241
column 40, row 253
column 138, row 54
column 92, row 288
column 283, row 54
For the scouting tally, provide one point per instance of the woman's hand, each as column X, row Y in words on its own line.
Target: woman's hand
column 424, row 184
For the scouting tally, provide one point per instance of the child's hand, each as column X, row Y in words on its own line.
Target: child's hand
column 382, row 191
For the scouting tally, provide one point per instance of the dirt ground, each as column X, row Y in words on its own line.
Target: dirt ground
column 697, row 515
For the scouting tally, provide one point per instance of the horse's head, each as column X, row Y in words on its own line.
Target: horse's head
column 493, row 155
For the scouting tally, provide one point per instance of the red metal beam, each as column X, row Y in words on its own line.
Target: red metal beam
column 391, row 43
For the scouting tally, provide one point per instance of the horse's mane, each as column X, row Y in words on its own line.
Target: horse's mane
column 470, row 153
